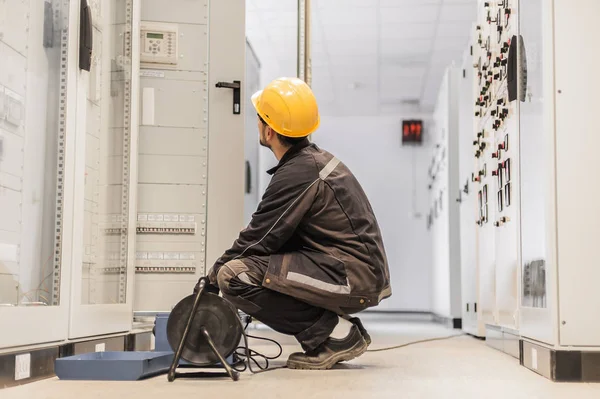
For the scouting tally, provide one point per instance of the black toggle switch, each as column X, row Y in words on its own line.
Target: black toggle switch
column 475, row 142
column 501, row 146
column 500, row 101
column 494, row 173
column 493, row 112
column 482, row 146
column 495, row 154
column 477, row 113
column 504, row 62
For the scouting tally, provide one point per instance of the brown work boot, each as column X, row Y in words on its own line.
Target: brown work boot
column 332, row 351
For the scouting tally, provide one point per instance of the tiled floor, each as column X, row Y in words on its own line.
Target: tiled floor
column 461, row 367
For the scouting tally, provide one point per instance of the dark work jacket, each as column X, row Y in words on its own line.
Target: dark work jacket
column 318, row 228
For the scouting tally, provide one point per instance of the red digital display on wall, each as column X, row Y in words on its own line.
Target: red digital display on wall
column 412, row 131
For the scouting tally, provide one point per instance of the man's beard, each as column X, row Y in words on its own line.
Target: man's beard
column 262, row 141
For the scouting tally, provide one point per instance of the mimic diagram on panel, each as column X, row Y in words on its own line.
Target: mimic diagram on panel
column 494, row 149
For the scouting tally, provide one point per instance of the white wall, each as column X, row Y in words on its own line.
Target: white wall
column 389, row 173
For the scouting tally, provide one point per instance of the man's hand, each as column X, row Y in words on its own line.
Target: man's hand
column 209, row 287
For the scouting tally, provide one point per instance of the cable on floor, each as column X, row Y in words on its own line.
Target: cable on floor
column 416, row 342
column 248, row 356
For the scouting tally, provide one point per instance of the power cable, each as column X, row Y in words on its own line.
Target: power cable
column 416, row 342
column 248, row 356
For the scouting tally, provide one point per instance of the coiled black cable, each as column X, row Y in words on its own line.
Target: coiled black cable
column 248, row 356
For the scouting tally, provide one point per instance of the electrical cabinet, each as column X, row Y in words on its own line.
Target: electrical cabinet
column 559, row 175
column 444, row 219
column 490, row 170
column 473, row 205
column 89, row 214
column 178, row 144
column 532, row 171
column 32, row 147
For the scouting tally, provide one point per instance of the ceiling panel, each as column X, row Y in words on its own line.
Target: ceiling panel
column 358, row 17
column 350, row 61
column 337, row 4
column 458, row 12
column 413, row 14
column 344, row 32
column 407, row 31
column 406, row 46
column 368, row 56
column 362, row 47
column 395, row 72
column 405, row 3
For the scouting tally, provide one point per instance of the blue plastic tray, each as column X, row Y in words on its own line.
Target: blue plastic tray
column 113, row 366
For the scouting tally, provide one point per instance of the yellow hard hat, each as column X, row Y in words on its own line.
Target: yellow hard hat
column 288, row 106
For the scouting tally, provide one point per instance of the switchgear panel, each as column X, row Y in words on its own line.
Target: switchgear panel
column 494, row 169
column 159, row 43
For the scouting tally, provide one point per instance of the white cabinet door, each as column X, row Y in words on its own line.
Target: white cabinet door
column 38, row 42
column 104, row 204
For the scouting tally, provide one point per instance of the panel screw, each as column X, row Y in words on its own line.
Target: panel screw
column 564, row 322
column 560, row 91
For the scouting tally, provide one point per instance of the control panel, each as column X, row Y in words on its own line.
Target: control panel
column 159, row 45
column 495, row 145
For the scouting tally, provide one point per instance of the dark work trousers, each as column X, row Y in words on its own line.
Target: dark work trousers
column 240, row 281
